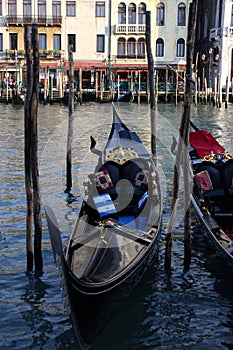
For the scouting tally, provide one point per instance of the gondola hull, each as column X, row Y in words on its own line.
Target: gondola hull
column 212, row 200
column 116, row 235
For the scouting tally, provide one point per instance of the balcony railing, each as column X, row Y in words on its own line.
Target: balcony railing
column 130, row 29
column 44, row 21
column 215, row 33
column 16, row 55
column 131, row 56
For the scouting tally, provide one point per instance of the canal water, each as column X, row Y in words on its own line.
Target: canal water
column 165, row 311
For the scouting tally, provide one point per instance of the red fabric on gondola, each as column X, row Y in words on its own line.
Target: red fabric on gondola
column 204, row 143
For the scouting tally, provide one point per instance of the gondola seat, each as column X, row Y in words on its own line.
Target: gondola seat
column 228, row 174
column 126, row 184
column 208, row 179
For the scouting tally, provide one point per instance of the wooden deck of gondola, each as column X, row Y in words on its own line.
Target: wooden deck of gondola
column 130, row 235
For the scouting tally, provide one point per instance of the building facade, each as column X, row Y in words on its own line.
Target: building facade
column 214, row 41
column 108, row 39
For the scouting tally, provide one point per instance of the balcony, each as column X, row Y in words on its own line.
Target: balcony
column 215, row 33
column 15, row 55
column 41, row 21
column 130, row 29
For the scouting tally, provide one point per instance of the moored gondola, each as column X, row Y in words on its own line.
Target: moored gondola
column 116, row 235
column 212, row 197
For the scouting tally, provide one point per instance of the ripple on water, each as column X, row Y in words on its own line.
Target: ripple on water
column 165, row 312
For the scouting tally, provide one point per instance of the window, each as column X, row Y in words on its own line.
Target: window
column 181, row 20
column 131, row 48
column 122, row 13
column 1, row 42
column 70, row 8
column 57, row 41
column 71, row 41
column 141, row 48
column 232, row 16
column 27, row 9
column 180, row 48
column 132, row 14
column 142, row 13
column 160, row 13
column 12, row 8
column 159, row 47
column 42, row 11
column 42, row 42
column 13, row 41
column 56, row 8
column 121, row 47
column 100, row 43
column 0, row 7
column 100, row 9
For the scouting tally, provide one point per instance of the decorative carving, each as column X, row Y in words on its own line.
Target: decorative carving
column 218, row 157
column 121, row 155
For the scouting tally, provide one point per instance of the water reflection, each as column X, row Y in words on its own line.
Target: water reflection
column 165, row 312
column 34, row 316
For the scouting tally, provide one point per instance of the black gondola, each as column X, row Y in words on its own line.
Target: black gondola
column 116, row 234
column 212, row 197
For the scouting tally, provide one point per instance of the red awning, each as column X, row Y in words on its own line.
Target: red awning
column 204, row 143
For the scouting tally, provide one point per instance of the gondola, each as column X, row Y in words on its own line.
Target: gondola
column 212, row 197
column 116, row 235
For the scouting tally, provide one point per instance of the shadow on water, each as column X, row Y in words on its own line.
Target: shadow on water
column 222, row 274
column 37, row 317
column 164, row 312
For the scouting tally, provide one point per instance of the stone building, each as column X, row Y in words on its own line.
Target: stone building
column 108, row 39
column 214, row 41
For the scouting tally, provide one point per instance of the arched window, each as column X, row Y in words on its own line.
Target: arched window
column 121, row 47
column 121, row 13
column 141, row 48
column 180, row 47
column 131, row 48
column 159, row 47
column 181, row 18
column 132, row 14
column 142, row 13
column 160, row 14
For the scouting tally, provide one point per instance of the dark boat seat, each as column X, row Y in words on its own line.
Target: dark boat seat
column 113, row 171
column 213, row 171
column 228, row 174
column 212, row 191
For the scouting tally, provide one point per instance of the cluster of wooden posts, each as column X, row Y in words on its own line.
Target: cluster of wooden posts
column 215, row 95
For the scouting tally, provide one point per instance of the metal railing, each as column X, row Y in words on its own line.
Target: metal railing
column 16, row 20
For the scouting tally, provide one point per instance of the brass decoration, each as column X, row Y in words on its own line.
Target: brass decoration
column 213, row 157
column 210, row 157
column 121, row 155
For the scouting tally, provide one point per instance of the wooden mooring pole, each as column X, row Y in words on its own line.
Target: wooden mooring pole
column 31, row 149
column 182, row 155
column 151, row 85
column 70, row 123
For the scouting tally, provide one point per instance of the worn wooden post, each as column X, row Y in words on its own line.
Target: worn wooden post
column 139, row 87
column 31, row 149
column 151, row 84
column 35, row 170
column 27, row 148
column 176, row 89
column 182, row 156
column 70, row 122
column 227, row 92
column 220, row 90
